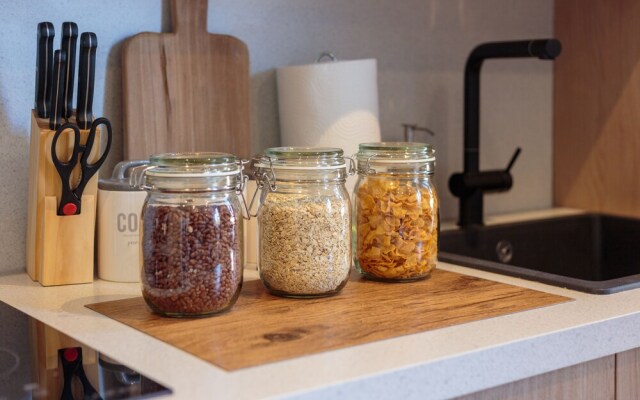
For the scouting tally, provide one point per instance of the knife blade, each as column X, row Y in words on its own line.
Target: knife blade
column 86, row 78
column 57, row 88
column 68, row 44
column 44, row 64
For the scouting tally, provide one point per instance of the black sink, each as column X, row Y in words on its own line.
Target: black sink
column 592, row 253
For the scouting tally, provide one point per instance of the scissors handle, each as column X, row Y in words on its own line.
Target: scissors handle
column 72, row 367
column 70, row 203
column 88, row 170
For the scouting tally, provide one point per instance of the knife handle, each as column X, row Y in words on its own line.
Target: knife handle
column 86, row 78
column 68, row 44
column 44, row 64
column 57, row 88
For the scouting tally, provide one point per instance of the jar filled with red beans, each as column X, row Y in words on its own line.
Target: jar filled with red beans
column 191, row 233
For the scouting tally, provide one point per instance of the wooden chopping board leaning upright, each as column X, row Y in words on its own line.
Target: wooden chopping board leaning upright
column 187, row 90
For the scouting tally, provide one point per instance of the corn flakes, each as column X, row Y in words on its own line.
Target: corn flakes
column 396, row 231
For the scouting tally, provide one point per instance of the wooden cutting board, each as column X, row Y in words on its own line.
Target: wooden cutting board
column 262, row 328
column 187, row 90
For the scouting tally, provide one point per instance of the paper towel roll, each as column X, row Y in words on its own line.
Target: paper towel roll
column 329, row 104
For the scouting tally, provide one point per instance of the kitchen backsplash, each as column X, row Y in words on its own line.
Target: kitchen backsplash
column 420, row 47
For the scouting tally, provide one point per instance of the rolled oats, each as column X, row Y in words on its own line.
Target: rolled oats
column 305, row 244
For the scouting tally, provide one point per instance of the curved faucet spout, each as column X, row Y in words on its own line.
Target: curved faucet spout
column 544, row 49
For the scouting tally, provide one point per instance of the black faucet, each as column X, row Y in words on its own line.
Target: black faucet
column 471, row 184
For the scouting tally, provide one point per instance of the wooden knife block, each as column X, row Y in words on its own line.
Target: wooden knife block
column 60, row 249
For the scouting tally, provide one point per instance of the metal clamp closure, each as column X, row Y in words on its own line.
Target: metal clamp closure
column 138, row 179
column 240, row 189
column 352, row 166
column 259, row 186
column 262, row 178
column 268, row 177
column 367, row 169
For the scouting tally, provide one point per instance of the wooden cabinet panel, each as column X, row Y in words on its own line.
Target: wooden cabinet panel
column 596, row 101
column 628, row 375
column 593, row 380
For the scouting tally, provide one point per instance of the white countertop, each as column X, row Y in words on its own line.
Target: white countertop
column 441, row 363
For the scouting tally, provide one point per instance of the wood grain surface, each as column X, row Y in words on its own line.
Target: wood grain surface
column 627, row 373
column 187, row 90
column 596, row 147
column 262, row 328
column 51, row 259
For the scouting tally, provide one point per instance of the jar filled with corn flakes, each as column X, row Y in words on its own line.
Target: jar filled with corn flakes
column 395, row 211
column 304, row 221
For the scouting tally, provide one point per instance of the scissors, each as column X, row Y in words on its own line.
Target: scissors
column 71, row 360
column 70, row 199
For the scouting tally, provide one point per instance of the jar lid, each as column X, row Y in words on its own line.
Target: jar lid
column 391, row 157
column 314, row 158
column 194, row 165
column 397, row 152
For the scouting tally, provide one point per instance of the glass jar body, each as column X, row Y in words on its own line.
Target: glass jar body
column 191, row 252
column 396, row 224
column 305, row 230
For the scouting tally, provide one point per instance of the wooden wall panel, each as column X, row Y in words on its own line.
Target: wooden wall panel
column 597, row 106
column 590, row 380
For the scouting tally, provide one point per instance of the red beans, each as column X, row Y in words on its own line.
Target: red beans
column 192, row 261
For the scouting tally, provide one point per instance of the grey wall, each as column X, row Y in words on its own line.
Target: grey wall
column 420, row 45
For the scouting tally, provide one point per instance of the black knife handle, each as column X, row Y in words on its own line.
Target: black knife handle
column 44, row 64
column 86, row 78
column 57, row 88
column 68, row 44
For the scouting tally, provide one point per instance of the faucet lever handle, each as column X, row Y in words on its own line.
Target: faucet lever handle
column 513, row 159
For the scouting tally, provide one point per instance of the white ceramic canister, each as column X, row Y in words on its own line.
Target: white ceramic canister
column 119, row 208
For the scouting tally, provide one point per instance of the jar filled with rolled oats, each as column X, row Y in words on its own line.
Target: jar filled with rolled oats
column 395, row 211
column 191, row 233
column 304, row 220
